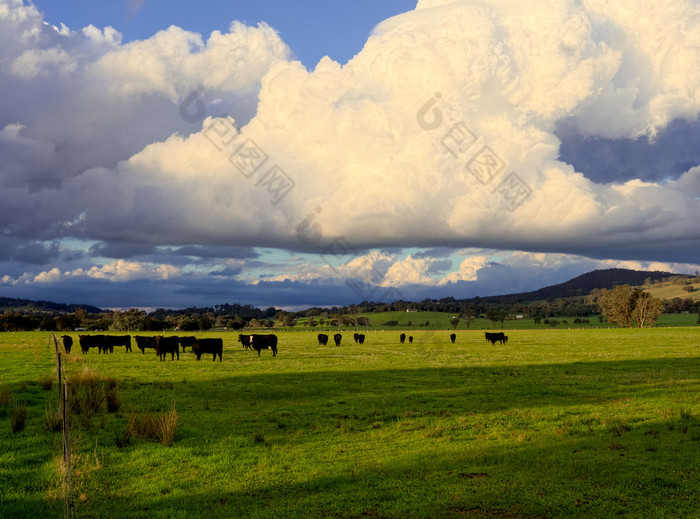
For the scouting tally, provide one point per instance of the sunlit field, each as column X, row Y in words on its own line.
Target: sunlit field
column 556, row 423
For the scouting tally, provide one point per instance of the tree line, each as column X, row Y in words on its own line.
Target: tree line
column 624, row 305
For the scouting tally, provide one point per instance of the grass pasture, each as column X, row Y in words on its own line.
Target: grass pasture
column 557, row 423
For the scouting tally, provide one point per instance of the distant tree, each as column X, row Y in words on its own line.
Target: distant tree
column 220, row 321
column 189, row 325
column 689, row 289
column 618, row 304
column 235, row 324
column 454, row 321
column 47, row 324
column 205, row 322
column 496, row 315
column 312, row 322
column 646, row 309
column 80, row 315
column 66, row 323
column 468, row 313
column 289, row 320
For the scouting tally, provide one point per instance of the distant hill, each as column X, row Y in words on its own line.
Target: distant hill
column 671, row 291
column 583, row 284
column 10, row 303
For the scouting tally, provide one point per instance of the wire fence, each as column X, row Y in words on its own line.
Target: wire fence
column 69, row 504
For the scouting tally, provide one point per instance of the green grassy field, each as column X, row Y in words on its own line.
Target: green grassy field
column 557, row 423
column 441, row 321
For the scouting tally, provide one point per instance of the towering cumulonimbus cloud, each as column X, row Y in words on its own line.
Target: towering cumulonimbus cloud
column 441, row 131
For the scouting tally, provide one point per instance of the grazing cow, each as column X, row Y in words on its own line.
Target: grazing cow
column 356, row 336
column 110, row 341
column 87, row 342
column 165, row 345
column 245, row 341
column 145, row 342
column 493, row 338
column 453, row 337
column 337, row 337
column 361, row 338
column 410, row 339
column 102, row 343
column 67, row 342
column 187, row 341
column 322, row 339
column 402, row 338
column 264, row 342
column 213, row 346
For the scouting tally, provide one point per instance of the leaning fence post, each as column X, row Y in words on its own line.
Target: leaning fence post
column 69, row 510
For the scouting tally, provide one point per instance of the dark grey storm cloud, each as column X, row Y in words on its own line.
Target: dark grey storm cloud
column 666, row 156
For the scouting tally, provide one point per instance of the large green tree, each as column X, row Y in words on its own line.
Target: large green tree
column 647, row 309
column 624, row 304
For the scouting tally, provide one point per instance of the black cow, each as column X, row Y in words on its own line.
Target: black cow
column 245, row 341
column 87, row 342
column 213, row 346
column 493, row 338
column 145, row 342
column 337, row 338
column 264, row 342
column 402, row 338
column 356, row 336
column 67, row 342
column 110, row 341
column 410, row 339
column 453, row 337
column 187, row 341
column 165, row 345
column 322, row 339
column 103, row 343
column 361, row 338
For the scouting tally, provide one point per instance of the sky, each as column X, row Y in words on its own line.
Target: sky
column 162, row 154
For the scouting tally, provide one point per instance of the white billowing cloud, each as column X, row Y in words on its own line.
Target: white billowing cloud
column 84, row 100
column 468, row 270
column 689, row 182
column 119, row 270
column 174, row 62
column 409, row 271
column 48, row 277
column 375, row 153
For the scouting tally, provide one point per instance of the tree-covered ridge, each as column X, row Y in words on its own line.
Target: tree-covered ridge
column 48, row 306
column 578, row 297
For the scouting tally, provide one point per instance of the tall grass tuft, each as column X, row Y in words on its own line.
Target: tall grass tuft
column 87, row 391
column 166, row 424
column 161, row 426
column 52, row 419
column 18, row 417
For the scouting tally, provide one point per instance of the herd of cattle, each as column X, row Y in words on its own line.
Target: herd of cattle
column 164, row 345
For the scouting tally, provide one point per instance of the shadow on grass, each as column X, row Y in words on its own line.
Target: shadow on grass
column 390, row 443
